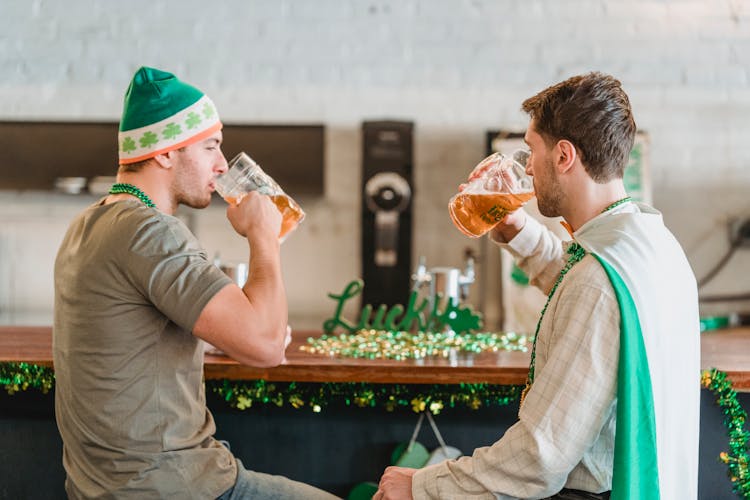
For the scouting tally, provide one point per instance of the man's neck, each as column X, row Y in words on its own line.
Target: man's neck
column 591, row 201
column 152, row 184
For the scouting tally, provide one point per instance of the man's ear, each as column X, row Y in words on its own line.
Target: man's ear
column 566, row 156
column 165, row 160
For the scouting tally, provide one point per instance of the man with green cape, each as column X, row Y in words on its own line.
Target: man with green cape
column 611, row 406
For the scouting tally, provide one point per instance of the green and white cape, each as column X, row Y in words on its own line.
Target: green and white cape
column 658, row 395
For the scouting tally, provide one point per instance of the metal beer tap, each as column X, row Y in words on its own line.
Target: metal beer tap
column 468, row 276
column 449, row 282
column 420, row 276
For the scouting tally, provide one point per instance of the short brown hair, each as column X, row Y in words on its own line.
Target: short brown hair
column 134, row 167
column 593, row 112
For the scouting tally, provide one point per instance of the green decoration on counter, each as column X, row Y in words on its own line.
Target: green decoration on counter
column 243, row 394
column 380, row 344
column 735, row 419
column 316, row 396
column 399, row 319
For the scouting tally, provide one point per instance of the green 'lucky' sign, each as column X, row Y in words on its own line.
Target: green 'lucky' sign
column 414, row 316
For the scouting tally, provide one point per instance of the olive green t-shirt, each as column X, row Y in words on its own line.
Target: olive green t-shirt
column 130, row 283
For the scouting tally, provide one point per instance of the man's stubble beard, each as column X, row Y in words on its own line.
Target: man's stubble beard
column 550, row 199
column 184, row 192
column 193, row 202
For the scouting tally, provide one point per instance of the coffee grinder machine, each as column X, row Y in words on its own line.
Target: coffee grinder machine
column 387, row 191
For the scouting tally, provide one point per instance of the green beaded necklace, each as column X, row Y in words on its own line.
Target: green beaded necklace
column 617, row 204
column 122, row 188
column 577, row 253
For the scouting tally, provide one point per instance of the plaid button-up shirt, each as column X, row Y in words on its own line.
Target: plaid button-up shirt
column 566, row 428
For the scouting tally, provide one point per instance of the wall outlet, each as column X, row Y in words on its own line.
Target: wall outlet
column 739, row 232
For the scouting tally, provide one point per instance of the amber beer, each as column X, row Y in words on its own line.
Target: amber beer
column 243, row 176
column 497, row 186
column 291, row 213
column 476, row 213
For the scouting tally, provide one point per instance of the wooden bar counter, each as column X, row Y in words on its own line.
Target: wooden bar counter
column 342, row 444
column 728, row 350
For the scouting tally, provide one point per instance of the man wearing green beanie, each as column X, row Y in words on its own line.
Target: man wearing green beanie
column 135, row 295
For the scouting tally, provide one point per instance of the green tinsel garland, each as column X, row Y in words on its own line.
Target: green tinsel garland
column 15, row 377
column 316, row 396
column 734, row 420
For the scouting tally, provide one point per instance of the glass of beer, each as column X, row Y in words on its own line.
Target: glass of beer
column 497, row 186
column 243, row 176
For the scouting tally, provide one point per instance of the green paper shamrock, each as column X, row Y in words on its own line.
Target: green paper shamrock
column 461, row 319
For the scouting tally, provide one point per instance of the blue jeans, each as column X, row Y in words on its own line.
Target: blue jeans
column 268, row 487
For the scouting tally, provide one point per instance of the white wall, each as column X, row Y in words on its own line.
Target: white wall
column 455, row 68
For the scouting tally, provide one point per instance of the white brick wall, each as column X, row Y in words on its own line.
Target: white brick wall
column 455, row 68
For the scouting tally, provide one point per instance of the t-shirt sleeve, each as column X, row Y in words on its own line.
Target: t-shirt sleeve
column 172, row 270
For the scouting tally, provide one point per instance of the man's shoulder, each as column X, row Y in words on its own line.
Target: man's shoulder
column 138, row 215
column 589, row 272
column 143, row 230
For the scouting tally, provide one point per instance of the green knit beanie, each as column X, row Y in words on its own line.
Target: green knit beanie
column 162, row 113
